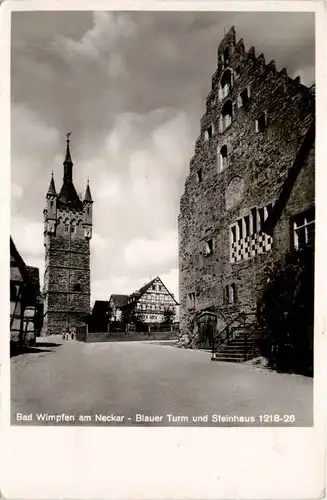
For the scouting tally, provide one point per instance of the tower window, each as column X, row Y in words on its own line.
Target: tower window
column 51, row 204
column 77, row 287
column 199, row 175
column 66, row 227
column 226, row 56
column 261, row 123
column 222, row 158
column 73, row 227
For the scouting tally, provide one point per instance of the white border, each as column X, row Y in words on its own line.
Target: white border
column 170, row 462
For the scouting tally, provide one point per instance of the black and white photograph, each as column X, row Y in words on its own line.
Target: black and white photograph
column 162, row 218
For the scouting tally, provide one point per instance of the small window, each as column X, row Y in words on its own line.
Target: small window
column 226, row 115
column 254, row 220
column 88, row 210
column 199, row 175
column 73, row 227
column 51, row 204
column 247, row 225
column 66, row 227
column 153, row 287
column 209, row 132
column 304, row 230
column 261, row 123
column 261, row 212
column 244, row 97
column 240, row 229
column 191, row 299
column 77, row 287
column 230, row 294
column 233, row 234
column 209, row 246
column 222, row 158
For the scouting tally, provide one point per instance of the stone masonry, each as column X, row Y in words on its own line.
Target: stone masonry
column 67, row 234
column 255, row 121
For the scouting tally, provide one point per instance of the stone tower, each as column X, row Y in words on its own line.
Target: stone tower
column 67, row 234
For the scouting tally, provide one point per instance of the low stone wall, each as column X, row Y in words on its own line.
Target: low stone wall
column 124, row 337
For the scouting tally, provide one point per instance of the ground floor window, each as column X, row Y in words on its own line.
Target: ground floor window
column 230, row 294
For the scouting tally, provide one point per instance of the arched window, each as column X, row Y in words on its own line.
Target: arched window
column 226, row 83
column 222, row 158
column 66, row 226
column 226, row 115
column 73, row 227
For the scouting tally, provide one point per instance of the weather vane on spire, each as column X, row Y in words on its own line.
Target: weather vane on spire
column 68, row 136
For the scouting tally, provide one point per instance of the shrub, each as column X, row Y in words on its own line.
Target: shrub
column 286, row 312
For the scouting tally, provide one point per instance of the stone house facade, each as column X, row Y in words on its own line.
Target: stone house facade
column 67, row 235
column 255, row 124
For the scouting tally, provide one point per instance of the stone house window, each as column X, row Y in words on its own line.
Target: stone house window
column 261, row 123
column 209, row 246
column 222, row 158
column 199, row 175
column 230, row 294
column 66, row 227
column 209, row 132
column 246, row 236
column 244, row 97
column 191, row 300
column 304, row 229
column 73, row 227
column 226, row 84
column 226, row 116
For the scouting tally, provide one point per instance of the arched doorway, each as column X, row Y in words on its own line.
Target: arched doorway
column 209, row 325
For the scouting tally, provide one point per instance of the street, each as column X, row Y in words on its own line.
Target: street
column 143, row 382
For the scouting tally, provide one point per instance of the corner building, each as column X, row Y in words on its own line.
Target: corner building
column 255, row 122
column 67, row 235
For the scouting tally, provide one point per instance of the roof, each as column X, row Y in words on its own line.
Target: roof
column 68, row 197
column 52, row 188
column 138, row 294
column 29, row 275
column 290, row 180
column 118, row 300
column 88, row 196
column 100, row 307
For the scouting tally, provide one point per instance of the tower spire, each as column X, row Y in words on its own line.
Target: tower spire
column 68, row 163
column 52, row 188
column 88, row 196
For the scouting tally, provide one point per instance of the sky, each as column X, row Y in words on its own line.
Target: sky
column 131, row 86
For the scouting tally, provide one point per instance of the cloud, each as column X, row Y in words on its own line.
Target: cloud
column 144, row 253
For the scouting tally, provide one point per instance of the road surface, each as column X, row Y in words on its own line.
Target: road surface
column 141, row 383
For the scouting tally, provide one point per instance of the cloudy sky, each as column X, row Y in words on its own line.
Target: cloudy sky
column 131, row 86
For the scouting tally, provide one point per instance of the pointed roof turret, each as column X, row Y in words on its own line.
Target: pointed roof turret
column 52, row 187
column 88, row 196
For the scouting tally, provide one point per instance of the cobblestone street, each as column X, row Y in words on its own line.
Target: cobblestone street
column 152, row 379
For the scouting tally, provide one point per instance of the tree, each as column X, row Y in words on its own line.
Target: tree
column 286, row 312
column 168, row 316
column 131, row 315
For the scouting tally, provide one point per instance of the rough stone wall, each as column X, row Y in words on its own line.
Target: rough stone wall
column 256, row 167
column 67, row 275
column 301, row 199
